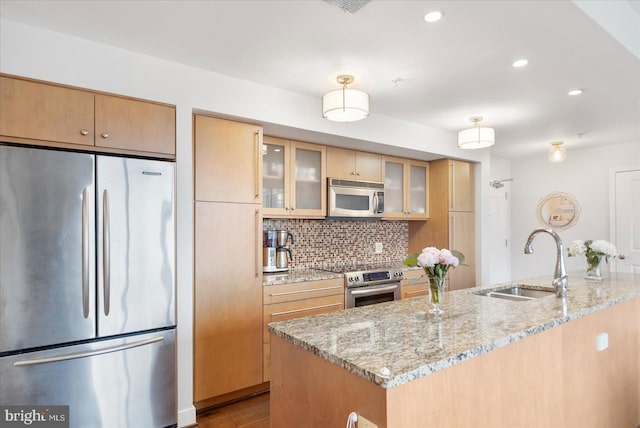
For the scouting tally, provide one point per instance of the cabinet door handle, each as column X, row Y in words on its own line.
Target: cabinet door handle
column 288, row 293
column 257, row 153
column 416, row 292
column 84, row 132
column 105, row 135
column 258, row 243
column 294, row 311
column 452, row 187
column 106, row 251
column 452, row 231
column 85, row 354
column 85, row 252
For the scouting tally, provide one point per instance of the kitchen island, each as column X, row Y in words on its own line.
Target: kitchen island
column 486, row 362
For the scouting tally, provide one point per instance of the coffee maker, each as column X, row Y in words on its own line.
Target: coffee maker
column 282, row 250
column 275, row 253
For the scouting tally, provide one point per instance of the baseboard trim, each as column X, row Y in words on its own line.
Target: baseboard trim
column 187, row 417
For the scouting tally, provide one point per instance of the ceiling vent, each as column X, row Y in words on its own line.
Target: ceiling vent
column 349, row 5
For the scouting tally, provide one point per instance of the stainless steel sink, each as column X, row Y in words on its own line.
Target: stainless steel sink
column 517, row 292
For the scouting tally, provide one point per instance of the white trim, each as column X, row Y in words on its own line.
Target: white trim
column 187, row 417
column 612, row 201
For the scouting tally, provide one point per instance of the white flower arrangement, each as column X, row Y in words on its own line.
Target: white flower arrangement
column 593, row 250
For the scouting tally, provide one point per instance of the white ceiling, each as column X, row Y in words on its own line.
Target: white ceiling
column 434, row 74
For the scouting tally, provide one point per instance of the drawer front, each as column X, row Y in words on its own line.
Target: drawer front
column 302, row 290
column 415, row 290
column 413, row 275
column 300, row 308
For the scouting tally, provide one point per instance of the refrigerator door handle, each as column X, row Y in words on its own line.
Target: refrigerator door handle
column 76, row 355
column 106, row 253
column 85, row 252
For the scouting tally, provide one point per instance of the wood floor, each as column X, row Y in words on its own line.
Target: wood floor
column 250, row 413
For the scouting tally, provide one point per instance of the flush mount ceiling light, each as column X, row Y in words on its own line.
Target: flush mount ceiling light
column 520, row 63
column 574, row 92
column 476, row 137
column 557, row 153
column 345, row 105
column 433, row 16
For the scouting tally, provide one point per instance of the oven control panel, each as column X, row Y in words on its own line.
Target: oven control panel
column 373, row 277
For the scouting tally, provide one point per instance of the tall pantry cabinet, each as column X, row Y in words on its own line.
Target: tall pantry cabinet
column 228, row 271
column 452, row 219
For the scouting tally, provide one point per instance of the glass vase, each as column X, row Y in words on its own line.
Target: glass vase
column 436, row 285
column 593, row 269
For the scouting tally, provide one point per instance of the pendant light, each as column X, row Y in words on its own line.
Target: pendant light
column 476, row 137
column 557, row 153
column 345, row 105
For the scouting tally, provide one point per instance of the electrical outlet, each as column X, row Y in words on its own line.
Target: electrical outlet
column 378, row 247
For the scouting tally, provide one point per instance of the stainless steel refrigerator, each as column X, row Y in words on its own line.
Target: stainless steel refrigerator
column 87, row 286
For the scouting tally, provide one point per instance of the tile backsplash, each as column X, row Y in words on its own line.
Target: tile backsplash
column 318, row 242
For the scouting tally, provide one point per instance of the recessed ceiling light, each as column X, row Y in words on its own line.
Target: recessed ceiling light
column 433, row 16
column 520, row 63
column 575, row 92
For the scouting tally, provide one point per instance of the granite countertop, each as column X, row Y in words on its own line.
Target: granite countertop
column 298, row 275
column 393, row 343
column 303, row 275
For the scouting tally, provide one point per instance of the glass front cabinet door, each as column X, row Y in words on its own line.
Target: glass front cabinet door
column 406, row 189
column 294, row 178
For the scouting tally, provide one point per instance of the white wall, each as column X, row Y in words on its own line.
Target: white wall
column 40, row 54
column 584, row 174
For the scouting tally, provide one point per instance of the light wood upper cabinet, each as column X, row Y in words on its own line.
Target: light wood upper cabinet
column 228, row 163
column 406, row 186
column 354, row 165
column 294, row 178
column 38, row 111
column 123, row 123
column 461, row 186
column 53, row 115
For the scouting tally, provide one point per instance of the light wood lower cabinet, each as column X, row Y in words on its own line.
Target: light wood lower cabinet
column 228, row 299
column 556, row 378
column 414, row 284
column 295, row 300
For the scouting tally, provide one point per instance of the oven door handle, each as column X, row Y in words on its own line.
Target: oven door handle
column 370, row 290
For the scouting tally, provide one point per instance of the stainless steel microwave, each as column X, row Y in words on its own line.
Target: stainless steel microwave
column 353, row 199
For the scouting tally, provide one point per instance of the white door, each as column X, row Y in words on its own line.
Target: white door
column 500, row 230
column 626, row 219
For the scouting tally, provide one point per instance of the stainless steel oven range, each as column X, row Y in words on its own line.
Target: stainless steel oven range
column 368, row 284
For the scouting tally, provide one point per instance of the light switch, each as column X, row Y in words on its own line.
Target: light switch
column 602, row 341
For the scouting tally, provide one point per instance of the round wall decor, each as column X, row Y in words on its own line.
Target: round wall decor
column 558, row 210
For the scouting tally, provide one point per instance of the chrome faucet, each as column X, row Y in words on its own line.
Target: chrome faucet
column 560, row 280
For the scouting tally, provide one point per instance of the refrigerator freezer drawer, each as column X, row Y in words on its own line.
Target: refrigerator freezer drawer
column 119, row 383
